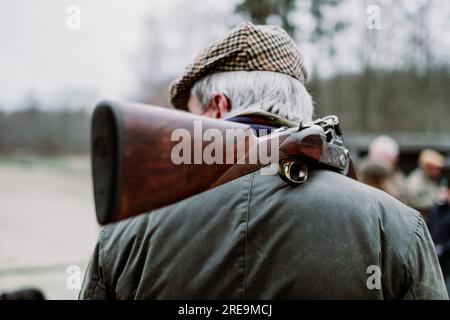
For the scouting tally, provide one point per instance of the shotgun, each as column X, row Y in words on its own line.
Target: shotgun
column 145, row 157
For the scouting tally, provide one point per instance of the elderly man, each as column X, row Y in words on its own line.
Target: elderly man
column 379, row 168
column 258, row 237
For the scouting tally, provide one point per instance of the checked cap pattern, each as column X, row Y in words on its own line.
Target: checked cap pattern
column 246, row 48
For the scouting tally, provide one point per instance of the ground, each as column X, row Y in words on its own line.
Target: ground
column 47, row 223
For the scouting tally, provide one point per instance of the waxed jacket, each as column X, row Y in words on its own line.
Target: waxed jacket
column 258, row 237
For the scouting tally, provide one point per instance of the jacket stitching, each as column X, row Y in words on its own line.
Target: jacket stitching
column 94, row 288
column 101, row 265
column 246, row 234
column 418, row 225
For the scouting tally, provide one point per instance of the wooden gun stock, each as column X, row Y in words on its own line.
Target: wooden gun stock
column 132, row 149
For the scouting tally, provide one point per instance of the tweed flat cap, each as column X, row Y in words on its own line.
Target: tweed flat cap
column 246, row 48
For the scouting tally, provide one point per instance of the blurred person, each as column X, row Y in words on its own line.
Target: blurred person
column 258, row 237
column 384, row 148
column 379, row 168
column 439, row 225
column 423, row 181
column 375, row 173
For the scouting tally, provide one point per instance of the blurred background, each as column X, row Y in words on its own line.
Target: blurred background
column 382, row 66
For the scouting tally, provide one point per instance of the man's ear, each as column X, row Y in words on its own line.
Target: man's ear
column 218, row 106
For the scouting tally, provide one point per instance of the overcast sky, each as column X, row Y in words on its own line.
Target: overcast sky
column 40, row 55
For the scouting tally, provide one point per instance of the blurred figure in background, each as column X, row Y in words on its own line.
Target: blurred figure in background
column 423, row 181
column 379, row 168
column 375, row 173
column 439, row 225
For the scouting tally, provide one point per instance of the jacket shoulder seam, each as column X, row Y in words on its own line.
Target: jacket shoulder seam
column 408, row 251
column 249, row 190
column 104, row 273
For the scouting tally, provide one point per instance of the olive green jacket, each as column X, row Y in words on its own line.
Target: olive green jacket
column 258, row 237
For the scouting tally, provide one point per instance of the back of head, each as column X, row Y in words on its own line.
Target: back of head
column 258, row 90
column 384, row 148
column 431, row 157
column 374, row 173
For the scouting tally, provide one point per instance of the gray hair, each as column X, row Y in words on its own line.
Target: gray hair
column 384, row 145
column 258, row 90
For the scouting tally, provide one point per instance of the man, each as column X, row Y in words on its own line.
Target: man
column 423, row 181
column 379, row 168
column 258, row 237
column 375, row 173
